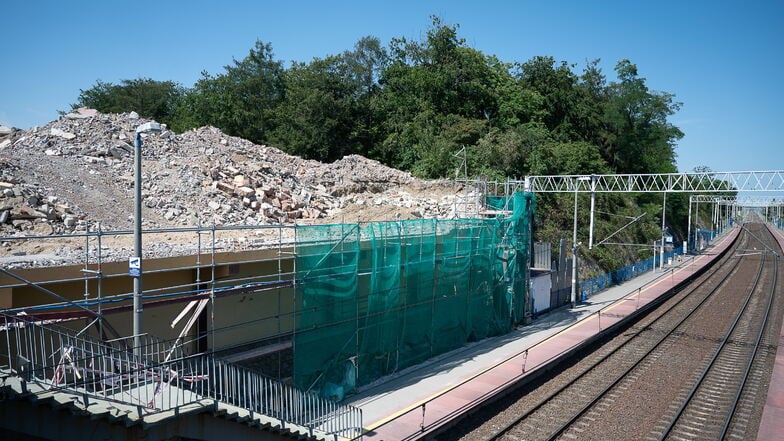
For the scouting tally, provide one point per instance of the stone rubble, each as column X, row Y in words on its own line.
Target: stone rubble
column 32, row 210
column 79, row 169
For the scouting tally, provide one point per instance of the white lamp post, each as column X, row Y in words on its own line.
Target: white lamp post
column 135, row 263
column 574, row 241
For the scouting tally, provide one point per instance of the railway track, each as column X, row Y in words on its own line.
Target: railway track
column 695, row 368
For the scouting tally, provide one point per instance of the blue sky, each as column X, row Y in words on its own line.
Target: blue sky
column 722, row 59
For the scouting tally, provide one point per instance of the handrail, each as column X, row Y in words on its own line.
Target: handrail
column 155, row 231
column 57, row 359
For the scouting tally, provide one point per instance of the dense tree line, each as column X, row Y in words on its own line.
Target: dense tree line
column 426, row 106
column 415, row 104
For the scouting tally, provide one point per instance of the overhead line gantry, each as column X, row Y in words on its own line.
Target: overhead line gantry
column 696, row 182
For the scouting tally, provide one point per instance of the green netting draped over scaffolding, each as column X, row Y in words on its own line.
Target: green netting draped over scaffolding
column 375, row 298
column 499, row 203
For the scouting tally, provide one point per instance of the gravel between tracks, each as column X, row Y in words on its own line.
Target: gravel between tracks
column 637, row 406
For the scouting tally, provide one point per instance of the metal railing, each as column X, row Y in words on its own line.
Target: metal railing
column 160, row 377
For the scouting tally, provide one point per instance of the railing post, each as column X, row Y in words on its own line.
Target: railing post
column 639, row 293
column 422, row 425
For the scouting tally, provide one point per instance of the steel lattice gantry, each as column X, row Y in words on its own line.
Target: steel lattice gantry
column 731, row 205
column 729, row 183
column 697, row 182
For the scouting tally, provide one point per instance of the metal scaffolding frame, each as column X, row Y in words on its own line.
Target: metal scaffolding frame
column 157, row 375
column 95, row 302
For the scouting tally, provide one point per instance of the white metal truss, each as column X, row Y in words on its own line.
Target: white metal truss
column 740, row 201
column 723, row 208
column 728, row 183
column 712, row 198
column 703, row 182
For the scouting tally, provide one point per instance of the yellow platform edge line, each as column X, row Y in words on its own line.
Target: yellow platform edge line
column 395, row 415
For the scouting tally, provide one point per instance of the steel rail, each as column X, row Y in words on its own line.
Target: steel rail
column 716, row 353
column 747, row 370
column 508, row 427
column 621, row 377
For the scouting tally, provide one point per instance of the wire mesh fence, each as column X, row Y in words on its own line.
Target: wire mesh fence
column 593, row 285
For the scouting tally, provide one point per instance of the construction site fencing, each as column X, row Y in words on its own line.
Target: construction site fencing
column 594, row 285
column 373, row 299
column 159, row 377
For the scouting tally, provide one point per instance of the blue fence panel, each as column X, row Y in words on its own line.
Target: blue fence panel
column 591, row 286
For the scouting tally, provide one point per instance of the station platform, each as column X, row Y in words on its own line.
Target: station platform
column 419, row 400
column 772, row 422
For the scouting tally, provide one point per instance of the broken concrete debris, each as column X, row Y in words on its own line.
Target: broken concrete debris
column 24, row 210
column 82, row 113
column 85, row 159
column 61, row 133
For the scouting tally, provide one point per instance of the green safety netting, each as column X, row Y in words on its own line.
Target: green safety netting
column 375, row 298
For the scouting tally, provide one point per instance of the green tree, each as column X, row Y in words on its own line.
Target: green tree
column 568, row 158
column 328, row 109
column 316, row 118
column 147, row 97
column 557, row 84
column 592, row 100
column 516, row 104
column 241, row 101
column 430, row 87
column 365, row 64
column 500, row 153
column 642, row 140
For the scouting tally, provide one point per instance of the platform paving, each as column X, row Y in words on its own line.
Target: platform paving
column 422, row 398
column 772, row 423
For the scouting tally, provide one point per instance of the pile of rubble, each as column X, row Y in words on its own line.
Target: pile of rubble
column 79, row 168
column 5, row 133
column 26, row 210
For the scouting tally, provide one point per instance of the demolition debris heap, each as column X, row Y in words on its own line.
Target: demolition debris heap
column 79, row 168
